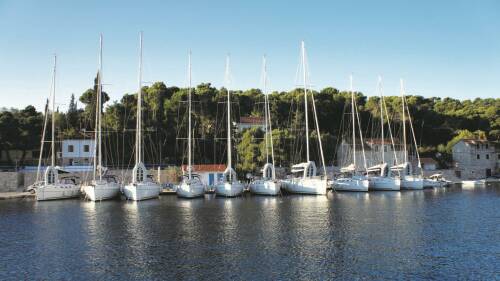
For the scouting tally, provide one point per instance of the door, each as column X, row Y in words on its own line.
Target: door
column 211, row 179
column 488, row 173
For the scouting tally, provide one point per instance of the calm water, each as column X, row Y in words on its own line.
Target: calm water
column 432, row 234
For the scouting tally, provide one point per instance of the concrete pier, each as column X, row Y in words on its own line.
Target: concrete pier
column 16, row 195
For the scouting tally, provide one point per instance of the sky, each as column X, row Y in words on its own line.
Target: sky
column 440, row 48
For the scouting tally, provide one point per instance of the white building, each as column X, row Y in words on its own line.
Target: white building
column 373, row 152
column 210, row 174
column 251, row 122
column 475, row 159
column 77, row 152
column 428, row 164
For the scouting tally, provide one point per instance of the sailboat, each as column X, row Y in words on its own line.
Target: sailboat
column 351, row 180
column 57, row 183
column 102, row 186
column 142, row 186
column 229, row 186
column 408, row 179
column 267, row 185
column 380, row 176
column 191, row 185
column 304, row 178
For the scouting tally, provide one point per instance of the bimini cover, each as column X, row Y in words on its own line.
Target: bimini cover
column 348, row 169
column 139, row 173
column 51, row 175
column 405, row 168
column 61, row 171
column 227, row 172
column 307, row 168
column 268, row 171
column 382, row 168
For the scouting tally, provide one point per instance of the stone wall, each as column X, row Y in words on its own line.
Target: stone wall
column 11, row 181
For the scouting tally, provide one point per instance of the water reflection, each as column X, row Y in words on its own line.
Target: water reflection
column 441, row 234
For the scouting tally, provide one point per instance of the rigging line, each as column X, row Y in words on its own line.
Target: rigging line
column 390, row 132
column 361, row 136
column 414, row 138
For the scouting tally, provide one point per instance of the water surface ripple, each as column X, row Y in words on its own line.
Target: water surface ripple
column 432, row 234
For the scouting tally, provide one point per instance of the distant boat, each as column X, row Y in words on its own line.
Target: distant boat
column 436, row 181
column 191, row 185
column 351, row 179
column 142, row 186
column 408, row 179
column 381, row 176
column 57, row 183
column 473, row 183
column 268, row 184
column 102, row 186
column 229, row 186
column 305, row 179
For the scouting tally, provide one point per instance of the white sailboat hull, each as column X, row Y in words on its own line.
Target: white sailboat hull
column 384, row 183
column 265, row 187
column 314, row 186
column 57, row 191
column 101, row 191
column 430, row 183
column 412, row 183
column 473, row 183
column 190, row 190
column 227, row 189
column 351, row 184
column 142, row 191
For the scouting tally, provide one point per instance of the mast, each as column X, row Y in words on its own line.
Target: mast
column 97, row 137
column 264, row 75
column 45, row 119
column 270, row 135
column 303, row 49
column 414, row 137
column 404, row 121
column 99, row 109
column 390, row 133
column 353, row 125
column 138, row 134
column 381, row 117
column 229, row 156
column 269, row 128
column 361, row 137
column 189, row 117
column 53, row 146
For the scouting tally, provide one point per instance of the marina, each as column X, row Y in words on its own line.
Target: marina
column 249, row 140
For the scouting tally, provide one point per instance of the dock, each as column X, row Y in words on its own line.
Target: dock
column 15, row 195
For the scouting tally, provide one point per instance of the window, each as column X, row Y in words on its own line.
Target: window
column 139, row 173
column 478, row 156
column 487, row 156
column 86, row 148
column 477, row 146
column 385, row 148
column 486, row 146
column 35, row 154
column 71, row 148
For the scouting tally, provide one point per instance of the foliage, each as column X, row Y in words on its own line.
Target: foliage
column 438, row 124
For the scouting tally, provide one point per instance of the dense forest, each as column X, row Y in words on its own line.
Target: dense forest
column 438, row 122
